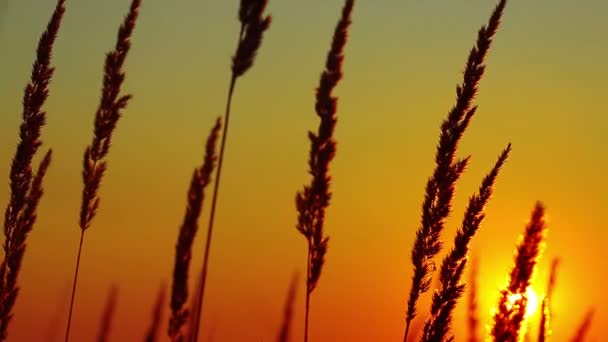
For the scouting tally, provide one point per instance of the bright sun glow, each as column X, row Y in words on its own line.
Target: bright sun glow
column 532, row 304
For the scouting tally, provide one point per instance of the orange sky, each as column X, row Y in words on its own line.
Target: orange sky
column 544, row 92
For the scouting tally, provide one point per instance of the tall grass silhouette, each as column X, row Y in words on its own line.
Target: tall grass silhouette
column 253, row 25
column 183, row 249
column 438, row 325
column 440, row 187
column 313, row 200
column 512, row 305
column 26, row 186
column 109, row 111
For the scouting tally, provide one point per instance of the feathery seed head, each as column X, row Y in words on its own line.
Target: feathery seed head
column 253, row 26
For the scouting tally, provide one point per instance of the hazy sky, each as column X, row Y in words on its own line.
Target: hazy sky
column 544, row 91
column 3, row 13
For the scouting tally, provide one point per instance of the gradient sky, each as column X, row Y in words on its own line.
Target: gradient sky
column 544, row 91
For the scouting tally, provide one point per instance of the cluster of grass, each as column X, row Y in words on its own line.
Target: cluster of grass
column 311, row 203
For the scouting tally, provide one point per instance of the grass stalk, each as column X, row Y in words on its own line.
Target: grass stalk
column 288, row 310
column 26, row 187
column 210, row 226
column 201, row 178
column 511, row 311
column 307, row 305
column 253, row 25
column 439, row 324
column 106, row 117
column 107, row 317
column 157, row 316
column 313, row 200
column 584, row 327
column 439, row 191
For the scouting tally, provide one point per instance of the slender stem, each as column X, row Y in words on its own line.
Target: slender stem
column 407, row 330
column 67, row 330
column 199, row 308
column 307, row 295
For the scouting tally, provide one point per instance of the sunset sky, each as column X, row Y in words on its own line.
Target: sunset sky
column 544, row 91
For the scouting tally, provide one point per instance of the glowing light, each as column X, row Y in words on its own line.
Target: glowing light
column 533, row 302
column 514, row 300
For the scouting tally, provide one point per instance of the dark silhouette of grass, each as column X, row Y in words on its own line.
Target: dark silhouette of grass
column 285, row 330
column 106, row 117
column 183, row 249
column 253, row 25
column 157, row 315
column 194, row 299
column 105, row 325
column 584, row 327
column 438, row 325
column 313, row 200
column 513, row 300
column 440, row 187
column 26, row 187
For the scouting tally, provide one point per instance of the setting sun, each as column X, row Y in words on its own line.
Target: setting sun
column 532, row 302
